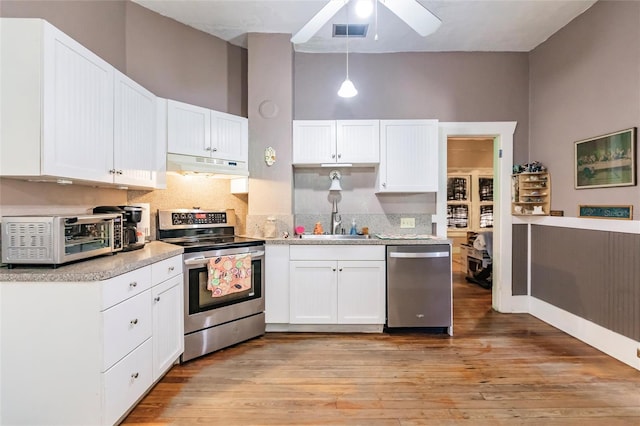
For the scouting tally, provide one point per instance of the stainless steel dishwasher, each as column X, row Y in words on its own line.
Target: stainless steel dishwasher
column 419, row 287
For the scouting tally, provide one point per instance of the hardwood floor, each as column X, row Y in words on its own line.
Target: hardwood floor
column 497, row 369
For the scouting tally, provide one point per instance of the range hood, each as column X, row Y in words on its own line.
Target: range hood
column 188, row 164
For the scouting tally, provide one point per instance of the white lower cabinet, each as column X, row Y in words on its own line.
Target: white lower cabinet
column 325, row 290
column 276, row 291
column 126, row 381
column 361, row 292
column 168, row 324
column 87, row 351
column 314, row 292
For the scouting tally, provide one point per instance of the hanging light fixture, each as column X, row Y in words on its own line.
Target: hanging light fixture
column 347, row 89
column 335, row 177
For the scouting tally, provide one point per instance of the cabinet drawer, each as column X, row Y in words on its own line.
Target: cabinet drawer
column 122, row 287
column 166, row 269
column 126, row 381
column 335, row 252
column 125, row 326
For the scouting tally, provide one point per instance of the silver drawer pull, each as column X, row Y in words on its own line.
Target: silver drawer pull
column 157, row 299
column 134, row 375
column 133, row 284
column 134, row 321
column 171, row 268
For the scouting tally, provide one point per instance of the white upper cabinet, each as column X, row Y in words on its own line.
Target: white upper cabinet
column 201, row 132
column 358, row 141
column 135, row 159
column 229, row 137
column 189, row 129
column 329, row 141
column 58, row 103
column 408, row 156
column 314, row 141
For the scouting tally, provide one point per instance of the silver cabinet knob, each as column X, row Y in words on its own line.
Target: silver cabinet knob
column 134, row 321
column 119, row 172
column 112, row 171
column 340, row 269
column 333, row 156
column 134, row 375
column 171, row 268
column 157, row 299
column 133, row 284
column 384, row 185
column 333, row 269
column 214, row 149
column 339, row 155
column 208, row 148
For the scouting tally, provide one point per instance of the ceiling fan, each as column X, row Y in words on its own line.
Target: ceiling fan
column 410, row 11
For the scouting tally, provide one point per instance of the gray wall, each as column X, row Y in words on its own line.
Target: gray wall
column 592, row 274
column 585, row 82
column 520, row 244
column 445, row 86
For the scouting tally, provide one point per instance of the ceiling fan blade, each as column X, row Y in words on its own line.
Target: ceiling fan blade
column 318, row 21
column 415, row 15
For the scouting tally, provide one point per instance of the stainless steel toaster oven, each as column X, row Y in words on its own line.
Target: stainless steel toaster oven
column 55, row 240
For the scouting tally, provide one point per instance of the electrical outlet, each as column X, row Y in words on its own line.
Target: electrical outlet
column 407, row 222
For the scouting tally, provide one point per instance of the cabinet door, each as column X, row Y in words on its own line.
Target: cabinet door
column 358, row 141
column 276, row 287
column 408, row 156
column 313, row 292
column 135, row 141
column 168, row 328
column 361, row 292
column 314, row 141
column 189, row 129
column 78, row 110
column 229, row 137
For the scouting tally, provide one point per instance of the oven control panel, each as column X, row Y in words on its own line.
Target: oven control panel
column 199, row 218
column 183, row 218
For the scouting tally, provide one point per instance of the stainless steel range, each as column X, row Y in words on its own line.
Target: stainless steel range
column 223, row 279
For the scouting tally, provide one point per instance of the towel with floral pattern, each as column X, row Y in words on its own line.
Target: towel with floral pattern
column 229, row 274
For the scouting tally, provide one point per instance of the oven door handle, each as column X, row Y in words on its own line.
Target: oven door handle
column 205, row 260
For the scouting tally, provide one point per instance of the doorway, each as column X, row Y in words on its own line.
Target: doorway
column 502, row 134
column 470, row 206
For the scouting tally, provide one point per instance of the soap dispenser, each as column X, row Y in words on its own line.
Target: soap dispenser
column 353, row 227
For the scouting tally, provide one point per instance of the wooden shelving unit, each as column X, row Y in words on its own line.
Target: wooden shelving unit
column 531, row 194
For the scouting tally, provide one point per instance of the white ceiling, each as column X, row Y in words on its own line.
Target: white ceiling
column 467, row 25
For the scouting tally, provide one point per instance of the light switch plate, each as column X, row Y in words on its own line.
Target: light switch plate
column 407, row 222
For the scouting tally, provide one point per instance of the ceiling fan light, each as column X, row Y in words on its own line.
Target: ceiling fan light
column 347, row 89
column 364, row 8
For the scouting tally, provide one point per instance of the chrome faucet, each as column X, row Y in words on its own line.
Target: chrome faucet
column 336, row 220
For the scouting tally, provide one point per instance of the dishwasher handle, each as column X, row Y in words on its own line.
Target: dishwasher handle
column 420, row 255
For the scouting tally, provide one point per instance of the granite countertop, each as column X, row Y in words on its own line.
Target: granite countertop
column 94, row 269
column 364, row 241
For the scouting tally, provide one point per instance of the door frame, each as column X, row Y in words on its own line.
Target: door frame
column 502, row 134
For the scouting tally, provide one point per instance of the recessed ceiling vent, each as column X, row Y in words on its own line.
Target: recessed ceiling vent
column 355, row 30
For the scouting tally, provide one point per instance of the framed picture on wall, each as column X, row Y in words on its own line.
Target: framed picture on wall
column 608, row 160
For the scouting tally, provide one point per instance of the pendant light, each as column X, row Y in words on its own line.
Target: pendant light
column 347, row 89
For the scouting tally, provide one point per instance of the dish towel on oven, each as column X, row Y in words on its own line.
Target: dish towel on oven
column 229, row 274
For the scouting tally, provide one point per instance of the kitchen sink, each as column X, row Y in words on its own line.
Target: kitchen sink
column 334, row 237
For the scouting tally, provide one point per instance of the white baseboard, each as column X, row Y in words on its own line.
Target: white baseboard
column 613, row 344
column 519, row 304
